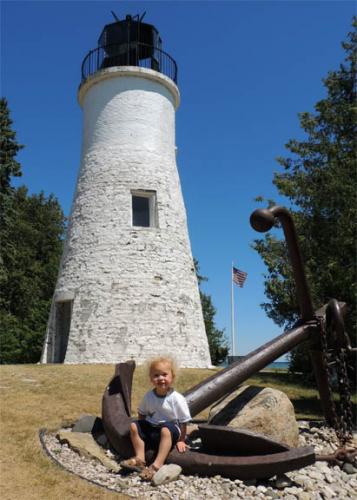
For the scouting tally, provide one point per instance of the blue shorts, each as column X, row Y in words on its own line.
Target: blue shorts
column 151, row 434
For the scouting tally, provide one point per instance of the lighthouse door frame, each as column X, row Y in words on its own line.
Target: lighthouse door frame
column 63, row 316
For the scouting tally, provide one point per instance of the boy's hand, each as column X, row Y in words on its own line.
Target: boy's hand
column 181, row 446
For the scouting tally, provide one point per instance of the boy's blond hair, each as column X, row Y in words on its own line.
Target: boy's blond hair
column 152, row 363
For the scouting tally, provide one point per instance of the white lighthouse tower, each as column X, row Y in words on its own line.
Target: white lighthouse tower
column 127, row 287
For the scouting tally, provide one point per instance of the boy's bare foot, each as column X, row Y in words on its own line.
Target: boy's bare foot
column 149, row 472
column 134, row 463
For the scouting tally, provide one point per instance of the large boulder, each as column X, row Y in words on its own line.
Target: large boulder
column 258, row 409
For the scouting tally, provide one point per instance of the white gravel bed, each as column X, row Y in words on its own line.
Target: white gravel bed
column 315, row 482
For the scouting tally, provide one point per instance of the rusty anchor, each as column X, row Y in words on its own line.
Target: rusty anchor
column 241, row 454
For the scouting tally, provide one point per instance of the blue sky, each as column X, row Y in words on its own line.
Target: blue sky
column 245, row 70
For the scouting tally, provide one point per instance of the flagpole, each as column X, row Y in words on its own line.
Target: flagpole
column 238, row 277
column 232, row 312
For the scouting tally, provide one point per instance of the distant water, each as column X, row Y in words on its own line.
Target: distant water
column 276, row 365
column 279, row 365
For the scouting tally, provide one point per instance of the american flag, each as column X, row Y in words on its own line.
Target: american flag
column 239, row 277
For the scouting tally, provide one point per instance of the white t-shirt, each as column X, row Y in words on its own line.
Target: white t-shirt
column 170, row 408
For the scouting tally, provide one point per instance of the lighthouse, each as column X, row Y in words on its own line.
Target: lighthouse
column 127, row 287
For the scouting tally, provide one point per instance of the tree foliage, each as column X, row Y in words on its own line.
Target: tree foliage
column 31, row 232
column 9, row 148
column 319, row 178
column 216, row 341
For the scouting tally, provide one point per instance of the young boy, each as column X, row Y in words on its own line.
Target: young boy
column 163, row 415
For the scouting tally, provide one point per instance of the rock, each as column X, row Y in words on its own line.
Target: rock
column 353, row 482
column 166, row 474
column 303, row 495
column 322, row 467
column 88, row 423
column 262, row 410
column 85, row 445
column 327, row 492
column 329, row 478
column 316, row 474
column 102, row 440
column 299, row 478
column 327, row 483
column 282, row 482
column 271, row 493
column 262, row 489
column 226, row 488
column 349, row 468
column 250, row 482
column 308, row 484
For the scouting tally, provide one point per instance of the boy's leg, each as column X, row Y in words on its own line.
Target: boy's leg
column 164, row 448
column 138, row 443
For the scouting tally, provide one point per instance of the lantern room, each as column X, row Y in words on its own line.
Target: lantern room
column 129, row 42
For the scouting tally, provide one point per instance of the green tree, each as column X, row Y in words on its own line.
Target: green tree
column 31, row 233
column 216, row 341
column 9, row 148
column 319, row 178
column 9, row 167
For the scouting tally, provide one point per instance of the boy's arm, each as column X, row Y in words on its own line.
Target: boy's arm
column 142, row 408
column 181, row 445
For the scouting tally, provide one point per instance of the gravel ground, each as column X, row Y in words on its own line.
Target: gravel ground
column 315, row 482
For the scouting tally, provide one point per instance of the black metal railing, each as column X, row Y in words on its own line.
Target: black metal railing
column 129, row 54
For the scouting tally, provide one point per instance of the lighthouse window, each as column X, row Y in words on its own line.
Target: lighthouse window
column 143, row 207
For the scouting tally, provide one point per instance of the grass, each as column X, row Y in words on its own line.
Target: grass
column 50, row 396
column 38, row 396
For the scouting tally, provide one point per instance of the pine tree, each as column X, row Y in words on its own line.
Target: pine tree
column 216, row 341
column 31, row 233
column 9, row 147
column 9, row 167
column 320, row 179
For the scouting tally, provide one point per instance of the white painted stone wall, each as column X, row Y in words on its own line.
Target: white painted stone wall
column 134, row 289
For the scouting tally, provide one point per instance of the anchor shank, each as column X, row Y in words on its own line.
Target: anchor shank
column 227, row 380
